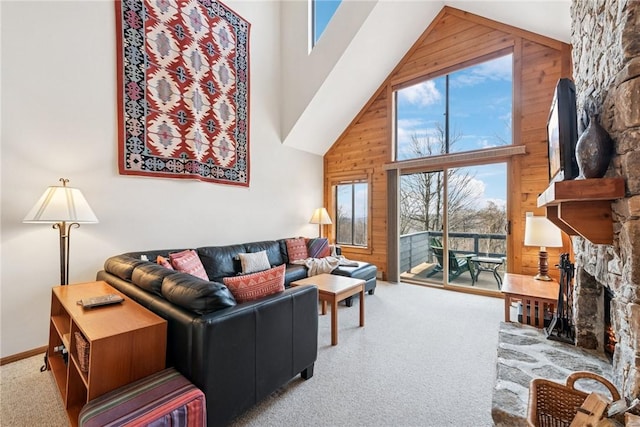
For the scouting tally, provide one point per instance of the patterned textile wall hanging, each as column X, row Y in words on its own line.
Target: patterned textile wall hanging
column 183, row 90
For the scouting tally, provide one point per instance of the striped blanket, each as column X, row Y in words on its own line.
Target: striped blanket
column 165, row 398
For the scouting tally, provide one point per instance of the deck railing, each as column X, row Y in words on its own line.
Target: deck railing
column 415, row 248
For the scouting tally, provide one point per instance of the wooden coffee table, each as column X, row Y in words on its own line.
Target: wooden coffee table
column 332, row 289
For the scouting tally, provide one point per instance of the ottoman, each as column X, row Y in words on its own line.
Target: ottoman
column 165, row 398
column 364, row 271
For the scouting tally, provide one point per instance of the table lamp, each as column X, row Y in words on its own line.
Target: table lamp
column 321, row 217
column 64, row 207
column 539, row 231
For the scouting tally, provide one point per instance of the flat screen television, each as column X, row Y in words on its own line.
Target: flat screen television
column 562, row 132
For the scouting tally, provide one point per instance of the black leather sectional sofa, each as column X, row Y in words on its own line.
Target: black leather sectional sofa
column 237, row 354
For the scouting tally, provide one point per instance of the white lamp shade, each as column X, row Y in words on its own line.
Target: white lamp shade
column 320, row 216
column 539, row 231
column 59, row 204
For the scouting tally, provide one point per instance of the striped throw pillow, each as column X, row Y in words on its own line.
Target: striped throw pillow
column 318, row 247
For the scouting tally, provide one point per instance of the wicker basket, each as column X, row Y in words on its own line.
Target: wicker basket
column 555, row 405
column 82, row 347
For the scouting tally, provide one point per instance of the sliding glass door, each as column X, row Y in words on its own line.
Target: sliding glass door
column 453, row 226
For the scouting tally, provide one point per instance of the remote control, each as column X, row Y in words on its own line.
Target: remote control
column 100, row 300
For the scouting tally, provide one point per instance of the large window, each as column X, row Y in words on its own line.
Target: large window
column 352, row 213
column 322, row 11
column 469, row 109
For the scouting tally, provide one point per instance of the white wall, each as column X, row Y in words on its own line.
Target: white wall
column 58, row 120
column 304, row 71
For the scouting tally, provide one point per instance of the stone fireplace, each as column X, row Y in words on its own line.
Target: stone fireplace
column 606, row 69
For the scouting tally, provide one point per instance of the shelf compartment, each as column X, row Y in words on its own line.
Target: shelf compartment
column 76, row 396
column 583, row 207
column 59, row 369
column 62, row 325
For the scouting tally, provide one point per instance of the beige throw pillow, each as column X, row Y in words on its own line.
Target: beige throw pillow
column 254, row 262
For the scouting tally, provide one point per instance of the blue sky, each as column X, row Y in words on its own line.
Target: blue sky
column 323, row 11
column 480, row 113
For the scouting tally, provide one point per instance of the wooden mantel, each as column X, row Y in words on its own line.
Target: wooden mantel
column 583, row 207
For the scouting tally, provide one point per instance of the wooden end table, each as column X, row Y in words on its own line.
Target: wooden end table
column 332, row 289
column 126, row 342
column 532, row 293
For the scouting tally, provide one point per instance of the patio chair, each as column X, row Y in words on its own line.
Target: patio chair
column 458, row 264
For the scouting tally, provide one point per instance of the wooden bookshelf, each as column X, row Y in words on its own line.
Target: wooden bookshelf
column 126, row 342
column 582, row 207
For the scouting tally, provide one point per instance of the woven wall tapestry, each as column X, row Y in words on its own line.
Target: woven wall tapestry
column 183, row 90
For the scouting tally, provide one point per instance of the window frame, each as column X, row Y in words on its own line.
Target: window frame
column 357, row 178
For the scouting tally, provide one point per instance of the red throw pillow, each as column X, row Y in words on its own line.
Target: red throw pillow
column 188, row 262
column 297, row 249
column 249, row 287
column 164, row 262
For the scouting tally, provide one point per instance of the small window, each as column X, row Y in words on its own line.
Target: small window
column 322, row 12
column 352, row 213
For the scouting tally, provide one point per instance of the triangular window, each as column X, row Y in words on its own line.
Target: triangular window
column 321, row 13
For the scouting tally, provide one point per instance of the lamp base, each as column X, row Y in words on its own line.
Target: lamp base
column 543, row 266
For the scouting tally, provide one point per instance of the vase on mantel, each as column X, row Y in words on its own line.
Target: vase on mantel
column 593, row 150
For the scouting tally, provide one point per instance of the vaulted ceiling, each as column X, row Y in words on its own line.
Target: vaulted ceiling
column 323, row 90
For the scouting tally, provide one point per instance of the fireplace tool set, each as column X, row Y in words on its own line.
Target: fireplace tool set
column 561, row 327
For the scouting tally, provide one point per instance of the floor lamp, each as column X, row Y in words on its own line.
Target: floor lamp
column 539, row 231
column 321, row 217
column 65, row 208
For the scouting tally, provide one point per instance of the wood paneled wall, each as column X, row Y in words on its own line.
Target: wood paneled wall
column 454, row 40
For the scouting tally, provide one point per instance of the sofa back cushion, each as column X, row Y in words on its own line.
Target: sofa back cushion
column 271, row 247
column 282, row 243
column 221, row 261
column 149, row 276
column 122, row 265
column 194, row 294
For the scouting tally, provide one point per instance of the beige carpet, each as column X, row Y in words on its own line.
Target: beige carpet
column 29, row 397
column 426, row 357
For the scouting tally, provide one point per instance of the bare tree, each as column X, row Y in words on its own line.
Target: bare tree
column 500, row 140
column 492, row 220
column 421, row 194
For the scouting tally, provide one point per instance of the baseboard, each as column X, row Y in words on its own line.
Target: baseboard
column 23, row 355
